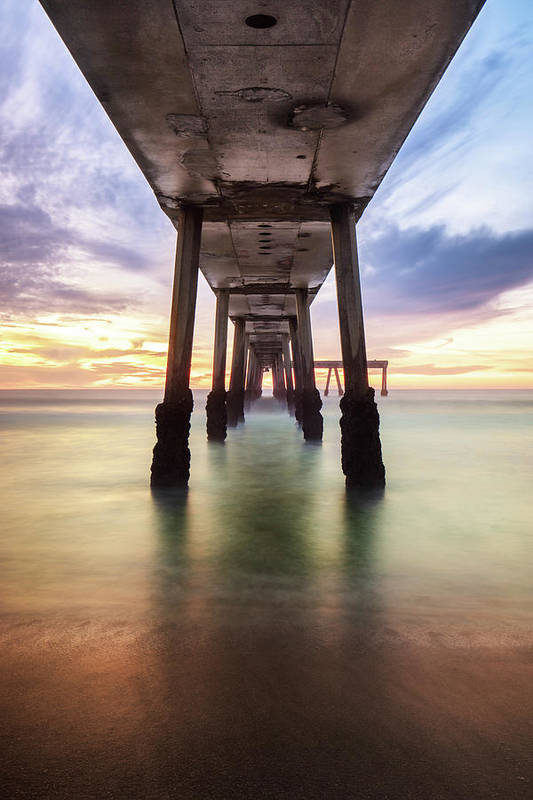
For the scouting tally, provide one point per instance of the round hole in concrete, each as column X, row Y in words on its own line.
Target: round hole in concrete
column 301, row 156
column 260, row 21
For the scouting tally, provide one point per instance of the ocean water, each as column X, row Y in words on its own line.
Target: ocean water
column 263, row 634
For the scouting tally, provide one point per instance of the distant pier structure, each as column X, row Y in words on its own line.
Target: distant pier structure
column 335, row 366
column 264, row 129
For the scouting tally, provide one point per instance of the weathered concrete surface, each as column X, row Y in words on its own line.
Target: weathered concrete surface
column 216, row 399
column 217, row 417
column 309, row 400
column 235, row 396
column 361, row 457
column 172, row 457
column 263, row 127
column 287, row 366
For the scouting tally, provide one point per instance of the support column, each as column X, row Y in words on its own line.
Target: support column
column 281, row 391
column 312, row 422
column 275, row 382
column 257, row 390
column 171, row 456
column 235, row 396
column 287, row 365
column 216, row 399
column 360, row 444
column 326, row 390
column 298, row 386
column 339, row 385
column 250, row 378
column 384, row 391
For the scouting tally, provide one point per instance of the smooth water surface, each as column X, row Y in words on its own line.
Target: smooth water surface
column 262, row 634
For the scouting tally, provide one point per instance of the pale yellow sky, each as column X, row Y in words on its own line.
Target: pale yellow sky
column 57, row 350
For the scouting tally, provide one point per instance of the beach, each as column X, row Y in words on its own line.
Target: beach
column 263, row 634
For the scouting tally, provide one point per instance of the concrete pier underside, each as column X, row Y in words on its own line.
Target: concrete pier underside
column 267, row 116
column 263, row 126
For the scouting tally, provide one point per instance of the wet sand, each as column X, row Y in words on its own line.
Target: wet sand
column 253, row 704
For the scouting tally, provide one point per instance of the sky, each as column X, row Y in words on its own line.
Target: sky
column 445, row 246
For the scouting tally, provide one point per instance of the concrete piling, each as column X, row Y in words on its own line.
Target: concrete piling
column 287, row 367
column 216, row 399
column 254, row 379
column 298, row 387
column 235, row 396
column 384, row 390
column 171, row 454
column 312, row 422
column 278, row 378
column 326, row 390
column 360, row 443
column 338, row 380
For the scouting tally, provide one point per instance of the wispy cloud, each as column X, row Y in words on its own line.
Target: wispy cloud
column 431, row 369
column 422, row 271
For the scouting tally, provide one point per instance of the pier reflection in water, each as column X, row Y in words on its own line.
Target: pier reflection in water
column 263, row 634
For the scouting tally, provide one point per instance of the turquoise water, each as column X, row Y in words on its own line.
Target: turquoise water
column 265, row 587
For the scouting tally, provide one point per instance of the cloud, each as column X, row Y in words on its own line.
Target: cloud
column 28, row 235
column 431, row 369
column 65, row 352
column 449, row 124
column 32, row 265
column 422, row 271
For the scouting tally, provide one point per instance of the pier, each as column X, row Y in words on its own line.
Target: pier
column 264, row 131
column 335, row 366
